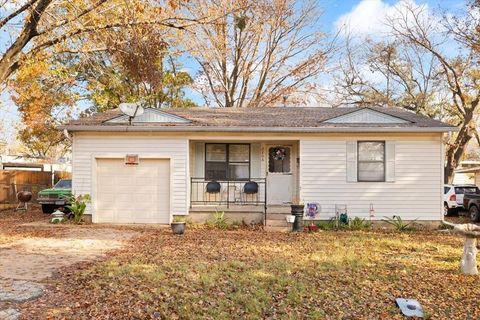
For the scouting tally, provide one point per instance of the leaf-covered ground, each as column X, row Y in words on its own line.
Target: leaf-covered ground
column 212, row 274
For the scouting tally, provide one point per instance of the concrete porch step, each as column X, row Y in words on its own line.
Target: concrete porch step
column 285, row 209
column 277, row 229
column 277, row 223
column 276, row 216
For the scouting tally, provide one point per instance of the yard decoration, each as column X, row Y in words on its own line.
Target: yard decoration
column 297, row 211
column 471, row 232
column 410, row 307
column 58, row 216
column 178, row 225
column 279, row 153
column 312, row 210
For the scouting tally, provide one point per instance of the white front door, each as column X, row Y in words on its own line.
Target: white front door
column 279, row 174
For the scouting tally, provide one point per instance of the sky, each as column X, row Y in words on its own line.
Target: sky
column 363, row 17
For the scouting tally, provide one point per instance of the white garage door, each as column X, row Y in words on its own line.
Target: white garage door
column 133, row 193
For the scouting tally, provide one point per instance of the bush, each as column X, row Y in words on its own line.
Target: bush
column 218, row 220
column 327, row 225
column 398, row 224
column 353, row 224
column 179, row 219
column 77, row 206
column 359, row 224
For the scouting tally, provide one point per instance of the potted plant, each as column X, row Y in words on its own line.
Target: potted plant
column 313, row 228
column 297, row 209
column 77, row 206
column 178, row 225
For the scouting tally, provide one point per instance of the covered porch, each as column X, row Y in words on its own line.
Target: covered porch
column 246, row 179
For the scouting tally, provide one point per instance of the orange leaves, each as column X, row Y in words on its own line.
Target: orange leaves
column 244, row 274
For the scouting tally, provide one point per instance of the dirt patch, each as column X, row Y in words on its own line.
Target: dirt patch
column 32, row 251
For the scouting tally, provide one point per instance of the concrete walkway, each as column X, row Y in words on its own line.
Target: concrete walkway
column 27, row 262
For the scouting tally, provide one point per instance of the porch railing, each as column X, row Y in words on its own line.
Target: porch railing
column 231, row 192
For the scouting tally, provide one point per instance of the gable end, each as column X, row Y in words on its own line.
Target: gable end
column 367, row 116
column 150, row 116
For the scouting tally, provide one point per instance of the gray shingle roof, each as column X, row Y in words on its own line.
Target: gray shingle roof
column 279, row 117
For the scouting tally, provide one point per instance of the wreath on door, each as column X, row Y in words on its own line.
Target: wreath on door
column 279, row 153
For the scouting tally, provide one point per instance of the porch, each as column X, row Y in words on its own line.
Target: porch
column 251, row 181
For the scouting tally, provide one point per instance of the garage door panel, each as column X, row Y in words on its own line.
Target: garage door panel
column 133, row 194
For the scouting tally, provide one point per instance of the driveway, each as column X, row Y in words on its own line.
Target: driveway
column 37, row 251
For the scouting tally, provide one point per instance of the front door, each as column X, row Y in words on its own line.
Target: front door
column 279, row 174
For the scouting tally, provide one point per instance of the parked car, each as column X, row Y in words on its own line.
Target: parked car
column 453, row 197
column 55, row 197
column 471, row 202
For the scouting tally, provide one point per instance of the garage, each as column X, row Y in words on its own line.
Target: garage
column 132, row 193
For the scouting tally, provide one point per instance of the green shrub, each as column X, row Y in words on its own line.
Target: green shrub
column 359, row 224
column 327, row 225
column 399, row 224
column 179, row 219
column 353, row 224
column 77, row 206
column 218, row 220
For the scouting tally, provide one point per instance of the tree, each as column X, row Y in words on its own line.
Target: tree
column 51, row 26
column 413, row 69
column 139, row 65
column 258, row 53
column 43, row 101
column 90, row 52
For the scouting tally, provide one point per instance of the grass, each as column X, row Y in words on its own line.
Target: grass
column 214, row 274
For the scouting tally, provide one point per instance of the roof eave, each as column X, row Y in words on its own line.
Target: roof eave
column 100, row 128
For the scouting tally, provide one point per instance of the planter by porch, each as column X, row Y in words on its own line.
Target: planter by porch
column 297, row 211
column 178, row 227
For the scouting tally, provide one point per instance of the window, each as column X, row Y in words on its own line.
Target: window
column 227, row 161
column 371, row 161
column 464, row 190
column 279, row 159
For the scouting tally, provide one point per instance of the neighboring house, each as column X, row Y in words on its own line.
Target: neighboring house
column 383, row 159
column 21, row 162
column 467, row 173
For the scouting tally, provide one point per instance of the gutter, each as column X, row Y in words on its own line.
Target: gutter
column 97, row 128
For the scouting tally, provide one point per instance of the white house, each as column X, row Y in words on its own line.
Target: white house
column 383, row 159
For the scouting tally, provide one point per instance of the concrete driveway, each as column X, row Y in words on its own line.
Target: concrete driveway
column 27, row 261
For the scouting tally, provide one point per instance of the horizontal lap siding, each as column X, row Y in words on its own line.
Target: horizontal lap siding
column 86, row 146
column 416, row 192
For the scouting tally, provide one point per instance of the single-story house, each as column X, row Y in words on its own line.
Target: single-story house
column 253, row 163
column 467, row 173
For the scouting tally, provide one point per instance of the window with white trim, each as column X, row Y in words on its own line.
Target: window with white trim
column 227, row 161
column 371, row 161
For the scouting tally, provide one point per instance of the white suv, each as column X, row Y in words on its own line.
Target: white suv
column 453, row 197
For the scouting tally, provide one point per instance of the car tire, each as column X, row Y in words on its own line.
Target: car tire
column 48, row 208
column 474, row 214
column 449, row 212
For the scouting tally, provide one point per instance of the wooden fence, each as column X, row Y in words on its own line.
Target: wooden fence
column 13, row 181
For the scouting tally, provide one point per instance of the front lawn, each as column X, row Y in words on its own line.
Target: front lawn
column 252, row 275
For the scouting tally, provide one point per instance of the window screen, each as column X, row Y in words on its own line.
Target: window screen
column 371, row 161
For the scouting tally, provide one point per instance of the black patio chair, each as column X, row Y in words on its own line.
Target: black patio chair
column 250, row 188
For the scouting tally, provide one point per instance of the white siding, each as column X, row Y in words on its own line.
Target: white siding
column 366, row 116
column 88, row 147
column 415, row 193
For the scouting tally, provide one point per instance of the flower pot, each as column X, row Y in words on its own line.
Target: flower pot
column 297, row 211
column 290, row 218
column 178, row 227
column 312, row 228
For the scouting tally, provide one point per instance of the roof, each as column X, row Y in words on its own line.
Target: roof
column 262, row 119
column 468, row 170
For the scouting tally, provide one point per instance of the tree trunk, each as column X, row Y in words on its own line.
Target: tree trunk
column 456, row 150
column 448, row 173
